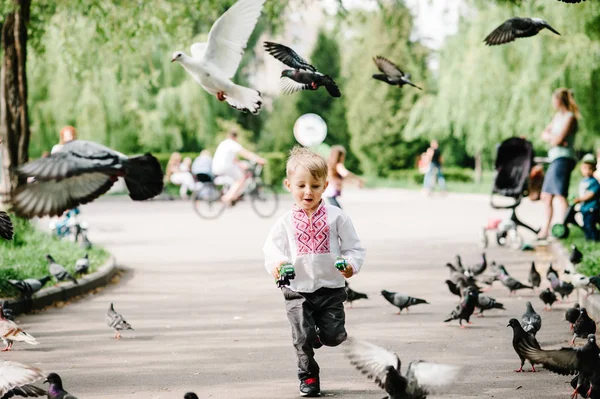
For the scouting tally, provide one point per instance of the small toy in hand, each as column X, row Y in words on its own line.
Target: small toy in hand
column 286, row 273
column 341, row 264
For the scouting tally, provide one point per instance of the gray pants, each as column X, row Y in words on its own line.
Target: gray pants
column 324, row 309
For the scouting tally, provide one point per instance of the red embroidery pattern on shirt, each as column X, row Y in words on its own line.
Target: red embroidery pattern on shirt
column 312, row 237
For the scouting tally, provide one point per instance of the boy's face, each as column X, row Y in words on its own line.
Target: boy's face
column 305, row 189
column 587, row 170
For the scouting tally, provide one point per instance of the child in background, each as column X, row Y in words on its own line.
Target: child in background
column 311, row 237
column 337, row 172
column 589, row 192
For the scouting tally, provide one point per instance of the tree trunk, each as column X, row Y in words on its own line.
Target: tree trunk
column 14, row 121
column 478, row 168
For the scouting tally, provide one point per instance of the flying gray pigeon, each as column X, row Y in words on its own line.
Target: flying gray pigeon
column 55, row 389
column 487, row 303
column 6, row 226
column 516, row 28
column 16, row 378
column 81, row 172
column 531, row 321
column 190, row 395
column 29, row 286
column 58, row 271
column 520, row 337
column 465, row 309
column 548, row 297
column 213, row 64
column 391, row 73
column 572, row 314
column 402, row 301
column 584, row 326
column 534, row 277
column 569, row 361
column 354, row 295
column 302, row 76
column 421, row 378
column 116, row 321
column 11, row 332
column 82, row 266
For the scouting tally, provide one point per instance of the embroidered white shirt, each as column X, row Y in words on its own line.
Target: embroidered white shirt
column 312, row 245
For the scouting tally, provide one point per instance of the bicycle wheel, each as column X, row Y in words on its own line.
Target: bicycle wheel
column 207, row 202
column 264, row 200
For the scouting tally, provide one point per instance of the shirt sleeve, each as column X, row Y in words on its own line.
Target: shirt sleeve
column 235, row 146
column 276, row 248
column 594, row 186
column 351, row 248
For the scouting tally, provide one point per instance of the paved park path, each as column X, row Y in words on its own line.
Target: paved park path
column 208, row 318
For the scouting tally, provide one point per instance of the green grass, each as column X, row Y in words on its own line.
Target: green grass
column 24, row 256
column 410, row 183
column 590, row 266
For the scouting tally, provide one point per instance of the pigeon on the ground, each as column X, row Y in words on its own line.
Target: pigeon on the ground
column 459, row 265
column 302, row 76
column 576, row 256
column 55, row 389
column 562, row 287
column 578, row 280
column 519, row 338
column 6, row 226
column 214, row 64
column 11, row 332
column 85, row 242
column 190, row 395
column 595, row 281
column 534, row 277
column 479, row 268
column 465, row 309
column 16, row 379
column 531, row 321
column 82, row 266
column 551, row 271
column 116, row 321
column 58, row 271
column 6, row 312
column 29, row 286
column 81, row 172
column 584, row 326
column 402, row 301
column 516, row 28
column 421, row 378
column 548, row 297
column 487, row 303
column 512, row 284
column 354, row 295
column 572, row 314
column 454, row 288
column 391, row 73
column 569, row 361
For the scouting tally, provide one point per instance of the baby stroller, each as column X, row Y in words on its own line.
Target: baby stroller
column 515, row 178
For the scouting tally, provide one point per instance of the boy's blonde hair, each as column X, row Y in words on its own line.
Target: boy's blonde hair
column 314, row 163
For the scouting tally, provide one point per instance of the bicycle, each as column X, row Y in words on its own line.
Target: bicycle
column 71, row 228
column 263, row 197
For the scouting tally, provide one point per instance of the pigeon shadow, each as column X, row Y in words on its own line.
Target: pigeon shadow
column 342, row 393
column 37, row 349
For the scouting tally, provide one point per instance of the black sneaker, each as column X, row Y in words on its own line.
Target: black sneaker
column 310, row 387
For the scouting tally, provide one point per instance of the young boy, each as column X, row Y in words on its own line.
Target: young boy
column 589, row 192
column 311, row 237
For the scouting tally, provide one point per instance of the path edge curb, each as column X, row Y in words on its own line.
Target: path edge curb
column 591, row 302
column 49, row 296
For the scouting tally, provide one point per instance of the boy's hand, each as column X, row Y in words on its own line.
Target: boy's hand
column 275, row 271
column 577, row 200
column 348, row 271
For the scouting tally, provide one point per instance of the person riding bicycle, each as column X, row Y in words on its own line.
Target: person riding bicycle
column 225, row 163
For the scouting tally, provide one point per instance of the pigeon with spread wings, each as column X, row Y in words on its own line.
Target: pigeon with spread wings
column 392, row 74
column 6, row 226
column 516, row 28
column 16, row 379
column 213, row 64
column 81, row 172
column 383, row 367
column 303, row 76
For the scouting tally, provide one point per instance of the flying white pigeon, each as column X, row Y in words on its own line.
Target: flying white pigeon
column 214, row 64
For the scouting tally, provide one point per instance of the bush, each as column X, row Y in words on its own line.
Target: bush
column 274, row 170
column 590, row 265
column 24, row 256
column 163, row 157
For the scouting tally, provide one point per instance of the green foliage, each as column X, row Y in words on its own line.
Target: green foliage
column 376, row 112
column 486, row 94
column 24, row 256
column 590, row 266
column 274, row 169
